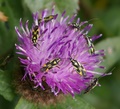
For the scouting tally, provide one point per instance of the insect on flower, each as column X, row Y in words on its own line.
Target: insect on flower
column 77, row 27
column 59, row 42
column 46, row 19
column 74, row 25
column 49, row 65
column 90, row 44
column 79, row 67
column 35, row 34
column 94, row 83
column 49, row 18
column 36, row 29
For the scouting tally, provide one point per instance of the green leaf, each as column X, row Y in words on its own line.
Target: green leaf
column 112, row 15
column 5, row 85
column 14, row 12
column 24, row 104
column 71, row 6
column 69, row 103
column 7, row 31
column 36, row 5
column 73, row 103
column 112, row 47
column 61, row 5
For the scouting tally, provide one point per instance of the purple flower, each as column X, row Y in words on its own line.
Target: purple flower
column 59, row 53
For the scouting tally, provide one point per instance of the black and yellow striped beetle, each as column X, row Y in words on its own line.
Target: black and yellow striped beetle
column 90, row 44
column 92, row 85
column 74, row 25
column 94, row 82
column 89, row 41
column 79, row 67
column 49, row 65
column 35, row 35
column 46, row 19
column 36, row 29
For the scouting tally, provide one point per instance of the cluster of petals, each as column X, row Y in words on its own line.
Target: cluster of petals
column 58, row 40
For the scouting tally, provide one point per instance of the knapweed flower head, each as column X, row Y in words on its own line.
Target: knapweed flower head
column 58, row 55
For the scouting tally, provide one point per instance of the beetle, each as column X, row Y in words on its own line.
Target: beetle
column 49, row 65
column 78, row 66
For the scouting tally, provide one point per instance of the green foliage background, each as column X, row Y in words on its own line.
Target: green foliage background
column 104, row 14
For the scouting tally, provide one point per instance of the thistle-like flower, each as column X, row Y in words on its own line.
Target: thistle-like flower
column 58, row 55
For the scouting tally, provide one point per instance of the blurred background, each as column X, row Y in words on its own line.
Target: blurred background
column 104, row 14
